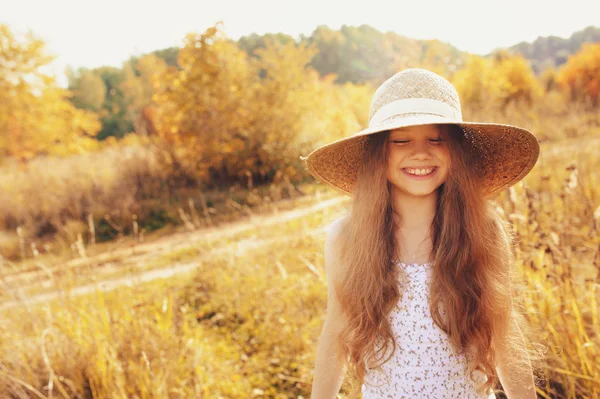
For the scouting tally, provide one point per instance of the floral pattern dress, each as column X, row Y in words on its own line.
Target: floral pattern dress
column 424, row 364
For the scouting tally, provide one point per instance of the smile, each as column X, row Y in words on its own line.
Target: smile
column 420, row 173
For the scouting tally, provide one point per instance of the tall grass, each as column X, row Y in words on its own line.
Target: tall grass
column 247, row 323
column 55, row 205
column 242, row 327
column 557, row 218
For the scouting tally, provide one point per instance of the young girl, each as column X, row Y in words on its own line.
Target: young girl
column 421, row 278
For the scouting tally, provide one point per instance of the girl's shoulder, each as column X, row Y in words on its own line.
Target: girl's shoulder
column 332, row 244
column 336, row 226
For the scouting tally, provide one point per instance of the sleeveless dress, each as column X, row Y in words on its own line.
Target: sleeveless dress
column 424, row 365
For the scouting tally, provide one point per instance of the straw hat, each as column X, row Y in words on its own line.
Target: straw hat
column 504, row 154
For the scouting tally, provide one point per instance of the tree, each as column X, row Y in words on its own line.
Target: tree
column 138, row 87
column 553, row 51
column 517, row 81
column 116, row 122
column 330, row 43
column 234, row 117
column 203, row 106
column 502, row 79
column 90, row 92
column 475, row 82
column 36, row 115
column 254, row 41
column 580, row 76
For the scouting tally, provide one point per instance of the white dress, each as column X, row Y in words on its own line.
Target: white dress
column 424, row 364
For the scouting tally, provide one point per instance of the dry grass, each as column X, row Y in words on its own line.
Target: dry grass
column 161, row 340
column 246, row 323
column 67, row 206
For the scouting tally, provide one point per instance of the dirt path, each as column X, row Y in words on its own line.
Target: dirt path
column 169, row 244
column 134, row 256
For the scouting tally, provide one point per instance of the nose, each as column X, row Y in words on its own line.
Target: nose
column 420, row 150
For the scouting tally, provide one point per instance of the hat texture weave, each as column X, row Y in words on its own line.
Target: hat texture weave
column 504, row 154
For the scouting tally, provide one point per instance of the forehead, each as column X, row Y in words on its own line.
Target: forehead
column 416, row 130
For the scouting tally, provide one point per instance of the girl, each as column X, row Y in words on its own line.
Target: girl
column 420, row 272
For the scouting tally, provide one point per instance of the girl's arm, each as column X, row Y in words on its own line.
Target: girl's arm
column 330, row 368
column 517, row 381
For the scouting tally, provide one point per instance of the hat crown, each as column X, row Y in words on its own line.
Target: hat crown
column 415, row 83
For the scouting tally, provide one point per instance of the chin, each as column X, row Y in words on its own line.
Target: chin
column 420, row 193
column 414, row 193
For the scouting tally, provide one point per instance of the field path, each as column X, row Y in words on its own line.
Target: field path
column 171, row 243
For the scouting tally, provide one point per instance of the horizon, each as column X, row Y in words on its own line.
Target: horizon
column 133, row 31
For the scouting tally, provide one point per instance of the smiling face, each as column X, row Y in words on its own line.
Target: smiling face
column 418, row 159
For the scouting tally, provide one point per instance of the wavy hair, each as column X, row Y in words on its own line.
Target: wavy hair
column 474, row 275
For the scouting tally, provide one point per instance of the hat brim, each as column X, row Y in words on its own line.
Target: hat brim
column 505, row 153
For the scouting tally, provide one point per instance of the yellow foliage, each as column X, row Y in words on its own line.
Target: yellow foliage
column 475, row 82
column 139, row 87
column 197, row 104
column 517, row 80
column 580, row 76
column 240, row 116
column 436, row 57
column 500, row 80
column 35, row 113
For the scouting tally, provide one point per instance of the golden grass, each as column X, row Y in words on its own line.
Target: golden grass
column 52, row 207
column 247, row 323
column 160, row 338
column 45, row 274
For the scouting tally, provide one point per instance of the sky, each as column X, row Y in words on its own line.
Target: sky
column 87, row 33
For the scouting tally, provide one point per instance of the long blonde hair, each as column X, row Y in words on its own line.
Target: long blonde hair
column 474, row 275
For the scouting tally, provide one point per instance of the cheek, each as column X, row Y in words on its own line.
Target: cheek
column 445, row 174
column 396, row 154
column 392, row 164
column 392, row 159
column 390, row 167
column 444, row 156
column 445, row 159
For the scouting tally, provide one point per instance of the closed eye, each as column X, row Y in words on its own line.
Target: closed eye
column 433, row 140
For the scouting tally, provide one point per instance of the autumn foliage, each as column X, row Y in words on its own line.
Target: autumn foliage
column 218, row 113
column 581, row 74
column 36, row 116
column 238, row 117
column 207, row 132
column 502, row 79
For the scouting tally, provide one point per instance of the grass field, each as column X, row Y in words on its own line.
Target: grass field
column 244, row 320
